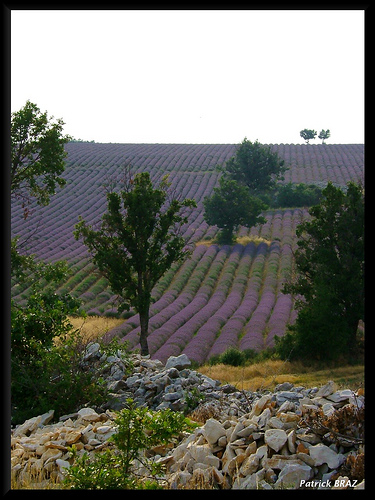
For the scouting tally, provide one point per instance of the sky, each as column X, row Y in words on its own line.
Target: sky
column 192, row 76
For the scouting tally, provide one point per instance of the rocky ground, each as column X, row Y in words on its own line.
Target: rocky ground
column 291, row 438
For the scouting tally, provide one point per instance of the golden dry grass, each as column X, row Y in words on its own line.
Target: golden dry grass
column 242, row 240
column 94, row 327
column 267, row 374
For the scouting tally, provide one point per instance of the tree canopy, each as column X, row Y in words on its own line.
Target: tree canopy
column 255, row 166
column 137, row 243
column 324, row 134
column 230, row 206
column 308, row 134
column 37, row 155
column 330, row 276
column 37, row 163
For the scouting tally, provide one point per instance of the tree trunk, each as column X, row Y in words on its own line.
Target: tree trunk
column 144, row 298
column 352, row 345
column 143, row 317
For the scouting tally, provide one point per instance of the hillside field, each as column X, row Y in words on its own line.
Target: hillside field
column 221, row 296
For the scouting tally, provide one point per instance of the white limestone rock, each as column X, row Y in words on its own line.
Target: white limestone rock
column 275, row 438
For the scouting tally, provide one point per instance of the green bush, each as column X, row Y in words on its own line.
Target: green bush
column 233, row 357
column 46, row 353
column 138, row 430
column 296, row 195
column 53, row 377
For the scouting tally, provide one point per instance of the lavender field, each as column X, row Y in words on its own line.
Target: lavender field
column 221, row 296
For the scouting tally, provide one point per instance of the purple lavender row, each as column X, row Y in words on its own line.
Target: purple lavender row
column 186, row 331
column 230, row 302
column 241, row 307
column 279, row 318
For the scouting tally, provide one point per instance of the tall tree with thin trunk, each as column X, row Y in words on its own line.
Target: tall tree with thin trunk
column 137, row 243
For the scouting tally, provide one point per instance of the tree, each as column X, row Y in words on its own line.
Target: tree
column 255, row 166
column 137, row 243
column 34, row 326
column 230, row 206
column 308, row 134
column 324, row 134
column 37, row 163
column 37, row 155
column 330, row 278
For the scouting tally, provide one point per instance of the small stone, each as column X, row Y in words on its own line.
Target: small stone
column 327, row 389
column 321, row 454
column 213, row 430
column 72, row 437
column 250, row 465
column 62, row 465
column 292, row 441
column 275, row 438
column 91, row 351
column 285, row 386
column 260, row 405
column 88, row 414
column 339, row 396
column 291, row 476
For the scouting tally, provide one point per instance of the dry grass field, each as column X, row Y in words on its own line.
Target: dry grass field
column 94, row 327
column 267, row 374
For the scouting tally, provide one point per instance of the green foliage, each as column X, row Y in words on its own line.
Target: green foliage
column 46, row 353
column 324, row 134
column 37, row 155
column 233, row 357
column 296, row 195
column 138, row 430
column 33, row 330
column 255, row 166
column 240, row 197
column 308, row 134
column 330, row 277
column 230, row 206
column 55, row 378
column 138, row 242
column 192, row 398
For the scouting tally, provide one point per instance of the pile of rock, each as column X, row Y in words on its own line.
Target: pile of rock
column 39, row 450
column 246, row 440
column 267, row 448
column 157, row 386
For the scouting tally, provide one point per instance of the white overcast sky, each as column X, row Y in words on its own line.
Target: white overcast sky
column 192, row 76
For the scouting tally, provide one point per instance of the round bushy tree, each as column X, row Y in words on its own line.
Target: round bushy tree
column 231, row 206
column 256, row 166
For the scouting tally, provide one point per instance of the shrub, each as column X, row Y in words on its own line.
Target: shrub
column 296, row 195
column 139, row 429
column 233, row 357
